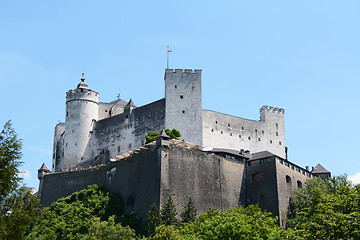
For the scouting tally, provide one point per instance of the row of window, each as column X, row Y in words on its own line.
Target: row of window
column 259, row 177
column 294, row 167
column 259, row 139
column 222, row 132
column 242, row 128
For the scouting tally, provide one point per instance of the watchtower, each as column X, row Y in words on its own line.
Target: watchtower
column 183, row 107
column 82, row 106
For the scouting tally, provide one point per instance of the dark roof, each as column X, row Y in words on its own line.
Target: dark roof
column 229, row 151
column 163, row 134
column 44, row 168
column 260, row 155
column 83, row 84
column 130, row 104
column 319, row 169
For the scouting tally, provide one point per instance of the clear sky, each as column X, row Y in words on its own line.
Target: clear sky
column 302, row 56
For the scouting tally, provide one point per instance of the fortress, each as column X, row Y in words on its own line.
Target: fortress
column 225, row 160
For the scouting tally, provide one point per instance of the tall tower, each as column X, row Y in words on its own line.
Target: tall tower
column 81, row 113
column 183, row 108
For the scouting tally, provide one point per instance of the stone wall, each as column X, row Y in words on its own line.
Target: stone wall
column 209, row 180
column 229, row 132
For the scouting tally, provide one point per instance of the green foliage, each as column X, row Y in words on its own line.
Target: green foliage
column 10, row 155
column 153, row 220
column 17, row 205
column 71, row 217
column 168, row 213
column 108, row 230
column 173, row 134
column 238, row 223
column 326, row 209
column 166, row 233
column 189, row 214
column 151, row 136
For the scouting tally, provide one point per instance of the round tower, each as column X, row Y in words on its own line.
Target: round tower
column 81, row 113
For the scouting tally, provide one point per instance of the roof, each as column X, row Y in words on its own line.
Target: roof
column 229, row 151
column 319, row 169
column 163, row 134
column 44, row 168
column 130, row 104
column 83, row 84
column 263, row 154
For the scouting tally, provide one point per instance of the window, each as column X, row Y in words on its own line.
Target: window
column 222, row 132
column 287, row 164
column 288, row 179
column 281, row 161
column 277, row 133
column 175, row 86
column 230, row 134
column 249, row 138
column 67, row 113
column 105, row 110
column 228, row 124
column 259, row 139
column 271, row 141
column 297, row 169
column 262, row 132
column 212, row 130
column 183, row 111
column 279, row 143
column 181, row 96
column 299, row 184
column 129, row 145
column 126, row 116
column 257, row 177
column 256, row 130
column 215, row 121
column 239, row 136
column 118, row 148
column 242, row 128
column 292, row 166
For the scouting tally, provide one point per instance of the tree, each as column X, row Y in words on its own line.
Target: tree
column 71, row 217
column 238, row 223
column 18, row 207
column 10, row 155
column 166, row 233
column 109, row 230
column 168, row 213
column 173, row 134
column 326, row 209
column 189, row 214
column 153, row 220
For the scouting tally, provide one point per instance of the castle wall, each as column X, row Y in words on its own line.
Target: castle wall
column 81, row 114
column 183, row 103
column 209, row 180
column 136, row 179
column 288, row 175
column 58, row 150
column 229, row 132
column 127, row 131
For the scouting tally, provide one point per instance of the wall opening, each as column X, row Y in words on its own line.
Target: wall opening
column 288, row 179
column 258, row 177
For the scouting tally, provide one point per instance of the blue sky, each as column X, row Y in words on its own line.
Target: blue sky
column 299, row 55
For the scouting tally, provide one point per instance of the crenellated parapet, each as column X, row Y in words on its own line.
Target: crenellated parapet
column 272, row 109
column 81, row 94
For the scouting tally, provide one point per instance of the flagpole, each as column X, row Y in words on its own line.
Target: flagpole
column 167, row 58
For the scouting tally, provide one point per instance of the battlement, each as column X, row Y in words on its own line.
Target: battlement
column 169, row 70
column 272, row 109
column 80, row 94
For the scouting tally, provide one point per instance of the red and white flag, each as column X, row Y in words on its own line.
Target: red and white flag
column 169, row 49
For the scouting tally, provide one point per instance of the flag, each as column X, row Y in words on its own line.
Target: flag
column 169, row 49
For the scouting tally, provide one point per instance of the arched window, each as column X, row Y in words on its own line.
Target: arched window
column 299, row 184
column 257, row 177
column 288, row 179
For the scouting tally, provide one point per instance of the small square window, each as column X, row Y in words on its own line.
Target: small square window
column 230, row 134
column 129, row 145
column 242, row 128
column 262, row 132
column 212, row 130
column 255, row 130
column 277, row 133
column 279, row 143
column 259, row 139
column 126, row 116
column 239, row 136
column 175, row 86
column 215, row 121
column 270, row 141
column 228, row 124
column 249, row 138
column 181, row 96
column 183, row 111
column 222, row 132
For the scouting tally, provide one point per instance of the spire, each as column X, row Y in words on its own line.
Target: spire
column 44, row 168
column 130, row 104
column 83, row 85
